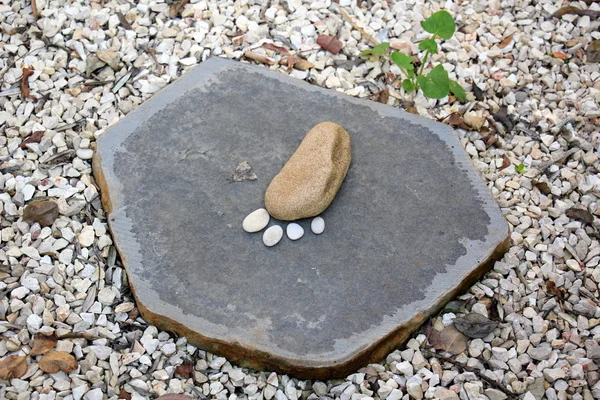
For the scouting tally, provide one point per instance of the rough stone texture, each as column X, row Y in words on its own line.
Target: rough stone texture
column 411, row 227
column 311, row 178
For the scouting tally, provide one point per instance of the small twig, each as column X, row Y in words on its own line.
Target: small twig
column 34, row 9
column 476, row 371
column 559, row 160
column 124, row 23
column 358, row 28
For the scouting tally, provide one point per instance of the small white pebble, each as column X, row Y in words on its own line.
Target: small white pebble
column 272, row 235
column 256, row 220
column 317, row 225
column 294, row 231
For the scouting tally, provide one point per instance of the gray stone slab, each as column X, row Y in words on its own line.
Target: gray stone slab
column 411, row 227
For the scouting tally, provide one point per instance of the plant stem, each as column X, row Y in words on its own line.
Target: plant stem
column 425, row 58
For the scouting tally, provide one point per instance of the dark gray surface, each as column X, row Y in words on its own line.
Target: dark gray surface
column 409, row 222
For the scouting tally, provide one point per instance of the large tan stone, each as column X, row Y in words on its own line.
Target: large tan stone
column 309, row 181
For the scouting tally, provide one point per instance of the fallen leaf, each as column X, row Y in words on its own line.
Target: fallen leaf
column 504, row 118
column 25, row 91
column 299, row 63
column 543, row 187
column 243, row 172
column 383, row 96
column 449, row 339
column 56, row 361
column 490, row 140
column 13, row 367
column 455, row 119
column 258, row 57
column 477, row 92
column 506, row 41
column 330, row 43
column 43, row 212
column 35, row 137
column 559, row 293
column 580, row 214
column 124, row 395
column 561, row 55
column 184, row 370
column 124, row 23
column 475, row 325
column 43, row 344
column 577, row 11
column 505, row 162
column 493, row 310
column 176, row 8
column 278, row 49
column 593, row 51
column 175, row 397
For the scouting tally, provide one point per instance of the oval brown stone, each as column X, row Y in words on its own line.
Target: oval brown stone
column 309, row 181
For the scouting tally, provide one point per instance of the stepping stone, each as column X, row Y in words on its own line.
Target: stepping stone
column 412, row 226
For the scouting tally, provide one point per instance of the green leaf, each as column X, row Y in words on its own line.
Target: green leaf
column 441, row 24
column 436, row 84
column 457, row 90
column 428, row 45
column 408, row 85
column 411, row 73
column 520, row 168
column 402, row 60
column 378, row 50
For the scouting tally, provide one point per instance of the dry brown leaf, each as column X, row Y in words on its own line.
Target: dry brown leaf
column 43, row 344
column 124, row 23
column 330, row 43
column 25, row 91
column 278, row 49
column 57, row 361
column 13, row 367
column 35, row 137
column 449, row 339
column 184, row 370
column 593, row 51
column 383, row 96
column 555, row 291
column 474, row 325
column 302, row 64
column 580, row 214
column 577, row 11
column 124, row 395
column 506, row 41
column 258, row 57
column 176, row 8
column 505, row 162
column 175, row 397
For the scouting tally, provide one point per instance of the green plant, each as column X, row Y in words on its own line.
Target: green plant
column 435, row 84
column 520, row 169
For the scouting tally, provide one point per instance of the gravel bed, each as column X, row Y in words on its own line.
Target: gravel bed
column 530, row 127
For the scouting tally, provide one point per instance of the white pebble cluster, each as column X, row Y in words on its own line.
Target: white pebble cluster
column 258, row 219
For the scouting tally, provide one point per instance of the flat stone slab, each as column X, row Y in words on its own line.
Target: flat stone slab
column 412, row 226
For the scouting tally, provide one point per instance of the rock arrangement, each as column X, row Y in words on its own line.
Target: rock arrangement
column 306, row 184
column 257, row 220
column 547, row 344
column 311, row 178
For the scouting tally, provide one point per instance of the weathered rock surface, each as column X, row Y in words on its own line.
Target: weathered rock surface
column 412, row 214
column 309, row 181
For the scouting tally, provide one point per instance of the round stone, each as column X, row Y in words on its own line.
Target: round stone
column 317, row 225
column 273, row 235
column 85, row 154
column 294, row 231
column 256, row 220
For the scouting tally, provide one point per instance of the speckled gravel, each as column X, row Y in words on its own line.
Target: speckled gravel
column 535, row 141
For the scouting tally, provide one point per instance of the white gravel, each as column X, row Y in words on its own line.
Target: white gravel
column 66, row 279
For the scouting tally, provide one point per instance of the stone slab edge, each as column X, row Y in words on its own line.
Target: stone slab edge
column 380, row 342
